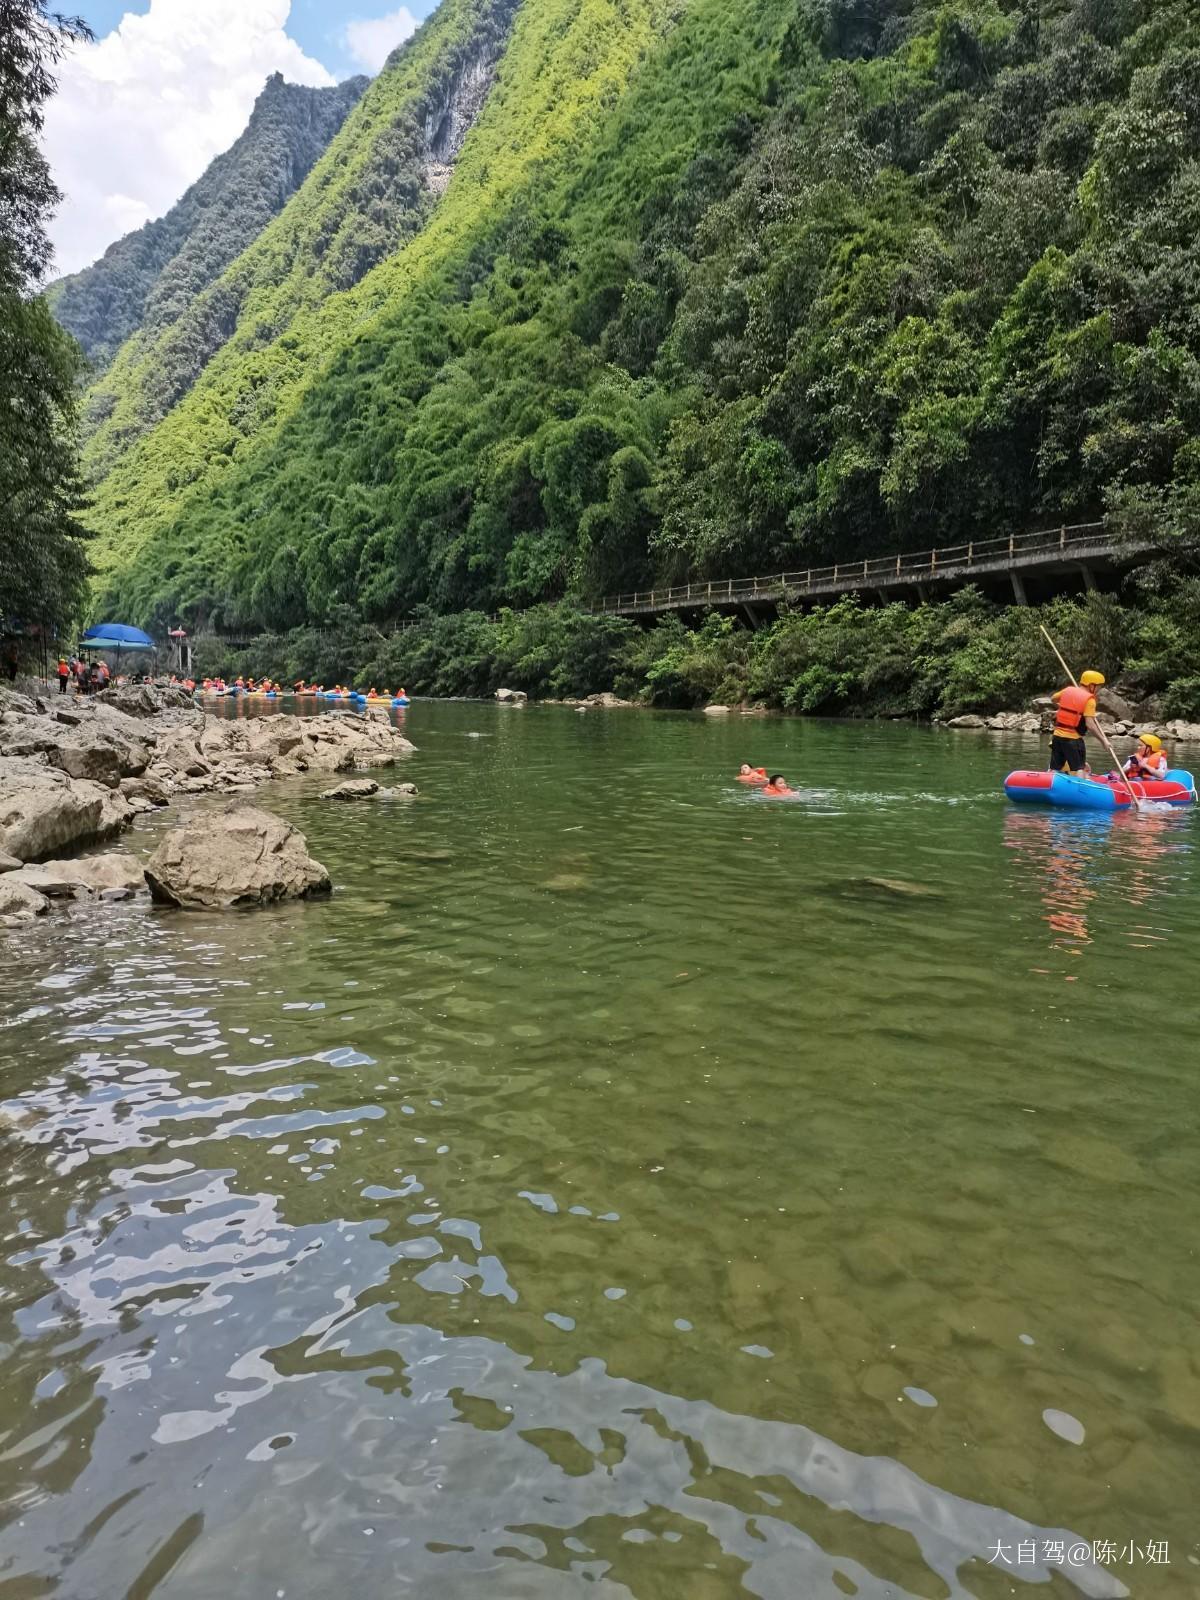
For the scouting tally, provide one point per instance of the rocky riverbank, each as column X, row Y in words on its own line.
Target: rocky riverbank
column 1119, row 718
column 74, row 773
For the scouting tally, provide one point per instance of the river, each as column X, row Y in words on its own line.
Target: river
column 626, row 1185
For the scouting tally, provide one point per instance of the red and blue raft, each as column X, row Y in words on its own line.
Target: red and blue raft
column 1096, row 792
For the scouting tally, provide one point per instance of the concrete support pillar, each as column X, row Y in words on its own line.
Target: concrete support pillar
column 751, row 615
column 922, row 593
column 1018, row 589
column 1088, row 576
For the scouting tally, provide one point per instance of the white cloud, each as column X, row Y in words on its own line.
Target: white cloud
column 371, row 41
column 141, row 113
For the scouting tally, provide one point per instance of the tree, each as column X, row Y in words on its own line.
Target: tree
column 42, row 563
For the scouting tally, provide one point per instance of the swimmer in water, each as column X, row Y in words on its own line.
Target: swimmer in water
column 776, row 785
column 749, row 774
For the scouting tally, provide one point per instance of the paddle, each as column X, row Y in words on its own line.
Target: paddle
column 1137, row 803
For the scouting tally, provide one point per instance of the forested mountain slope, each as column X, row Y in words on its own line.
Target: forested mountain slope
column 368, row 195
column 147, row 280
column 717, row 288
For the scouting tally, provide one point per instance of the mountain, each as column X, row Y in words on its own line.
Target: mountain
column 146, row 281
column 589, row 292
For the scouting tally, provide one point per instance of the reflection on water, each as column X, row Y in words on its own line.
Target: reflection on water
column 1076, row 854
column 620, row 1183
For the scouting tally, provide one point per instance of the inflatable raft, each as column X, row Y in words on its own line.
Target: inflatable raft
column 1096, row 792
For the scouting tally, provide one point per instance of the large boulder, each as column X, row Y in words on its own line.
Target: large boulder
column 42, row 810
column 511, row 697
column 19, row 903
column 238, row 857
column 1015, row 722
column 967, row 720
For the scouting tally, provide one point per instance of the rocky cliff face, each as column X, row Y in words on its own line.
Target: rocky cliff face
column 453, row 114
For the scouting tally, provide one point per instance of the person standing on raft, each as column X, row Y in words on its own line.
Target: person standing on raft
column 1073, row 706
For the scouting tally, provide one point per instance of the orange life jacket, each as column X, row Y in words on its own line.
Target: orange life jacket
column 1072, row 709
column 1153, row 766
column 755, row 775
column 772, row 788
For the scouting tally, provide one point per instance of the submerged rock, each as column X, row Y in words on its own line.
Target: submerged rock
column 240, row 857
column 902, row 888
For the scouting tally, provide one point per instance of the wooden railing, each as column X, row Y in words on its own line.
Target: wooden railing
column 1014, row 550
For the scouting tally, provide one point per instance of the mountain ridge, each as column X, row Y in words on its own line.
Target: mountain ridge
column 144, row 281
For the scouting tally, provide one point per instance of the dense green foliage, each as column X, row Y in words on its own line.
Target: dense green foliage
column 810, row 278
column 42, row 562
column 964, row 654
column 148, row 280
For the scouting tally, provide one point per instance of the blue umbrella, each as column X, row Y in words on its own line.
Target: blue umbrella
column 116, row 636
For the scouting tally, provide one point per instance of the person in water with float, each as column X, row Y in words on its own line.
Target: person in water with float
column 1073, row 706
column 749, row 774
column 776, row 785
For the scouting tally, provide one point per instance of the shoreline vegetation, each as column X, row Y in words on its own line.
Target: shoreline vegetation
column 933, row 661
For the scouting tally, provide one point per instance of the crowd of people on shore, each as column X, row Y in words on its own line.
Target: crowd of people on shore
column 88, row 677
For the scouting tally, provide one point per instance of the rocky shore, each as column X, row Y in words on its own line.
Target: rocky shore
column 74, row 773
column 1119, row 717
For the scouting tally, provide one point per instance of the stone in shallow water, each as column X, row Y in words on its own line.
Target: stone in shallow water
column 19, row 903
column 240, row 857
column 353, row 789
column 1064, row 1425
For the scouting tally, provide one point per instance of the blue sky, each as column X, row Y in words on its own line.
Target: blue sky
column 167, row 85
column 317, row 25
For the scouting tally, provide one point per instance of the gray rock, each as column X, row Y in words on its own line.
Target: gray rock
column 23, row 704
column 716, row 711
column 147, row 789
column 1015, row 722
column 353, row 789
column 42, row 810
column 1114, row 704
column 1182, row 732
column 143, row 699
column 509, row 697
column 55, row 879
column 239, row 857
column 19, row 903
column 9, row 863
column 98, row 763
column 969, row 720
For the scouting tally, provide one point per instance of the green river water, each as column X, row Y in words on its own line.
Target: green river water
column 618, row 1190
